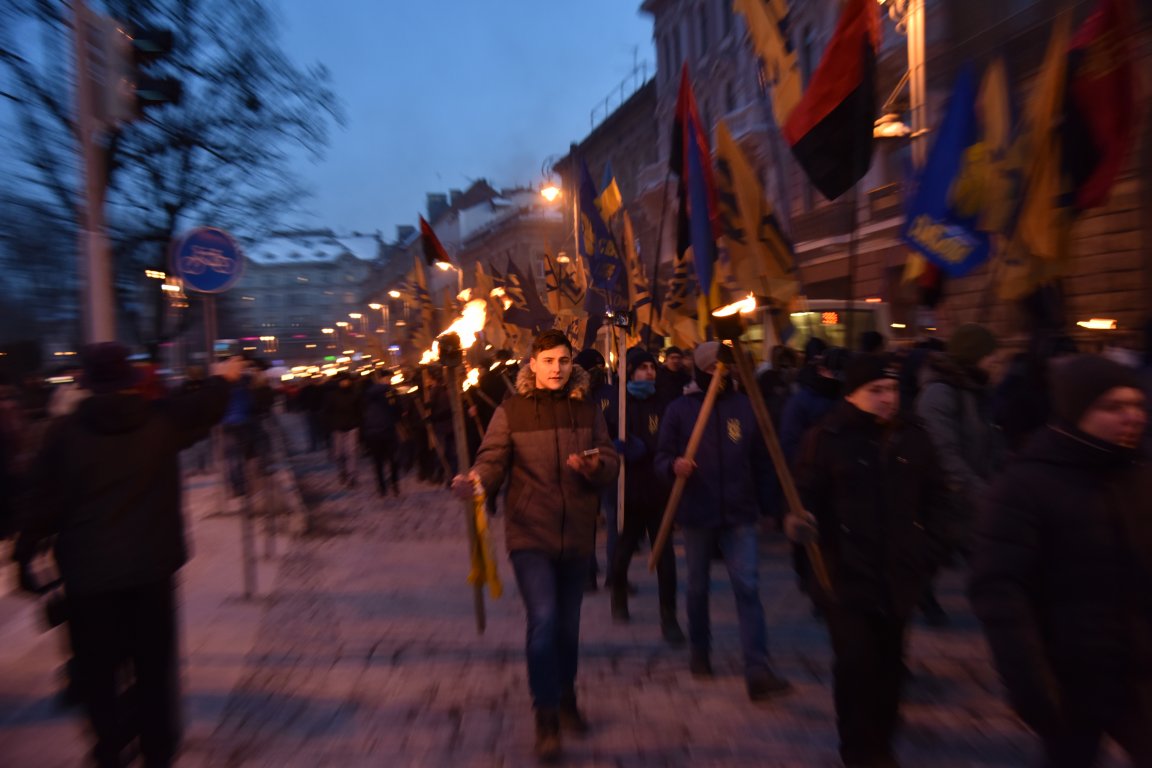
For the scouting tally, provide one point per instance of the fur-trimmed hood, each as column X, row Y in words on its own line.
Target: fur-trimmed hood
column 576, row 387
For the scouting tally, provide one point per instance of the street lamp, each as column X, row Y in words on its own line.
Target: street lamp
column 550, row 192
column 909, row 18
column 394, row 294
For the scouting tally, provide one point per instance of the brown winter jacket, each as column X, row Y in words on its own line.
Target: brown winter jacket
column 551, row 508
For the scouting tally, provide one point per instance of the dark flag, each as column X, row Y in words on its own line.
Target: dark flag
column 1100, row 106
column 830, row 130
column 526, row 309
column 433, row 248
column 691, row 160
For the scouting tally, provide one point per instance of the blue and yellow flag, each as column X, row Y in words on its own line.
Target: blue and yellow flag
column 596, row 244
column 610, row 200
column 942, row 221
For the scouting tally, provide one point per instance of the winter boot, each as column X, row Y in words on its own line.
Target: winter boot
column 571, row 718
column 671, row 632
column 700, row 664
column 763, row 684
column 547, row 736
column 620, row 613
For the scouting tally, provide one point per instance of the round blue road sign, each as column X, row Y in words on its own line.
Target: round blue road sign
column 208, row 260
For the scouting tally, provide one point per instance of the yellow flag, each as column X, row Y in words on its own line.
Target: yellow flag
column 610, row 201
column 768, row 27
column 756, row 256
column 1039, row 247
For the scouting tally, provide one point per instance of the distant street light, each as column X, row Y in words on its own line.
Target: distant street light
column 394, row 294
column 550, row 192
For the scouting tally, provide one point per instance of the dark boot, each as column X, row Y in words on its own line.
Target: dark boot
column 671, row 632
column 700, row 664
column 763, row 684
column 547, row 735
column 571, row 718
column 620, row 613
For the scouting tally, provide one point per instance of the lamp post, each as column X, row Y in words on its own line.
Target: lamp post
column 909, row 18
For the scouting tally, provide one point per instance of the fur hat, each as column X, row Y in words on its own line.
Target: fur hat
column 705, row 355
column 1079, row 382
column 107, row 368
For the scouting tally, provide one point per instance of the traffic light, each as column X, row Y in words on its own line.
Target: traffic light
column 131, row 87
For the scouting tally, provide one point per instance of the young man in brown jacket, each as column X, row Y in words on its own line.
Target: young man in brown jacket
column 553, row 446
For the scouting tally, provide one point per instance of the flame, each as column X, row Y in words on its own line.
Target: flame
column 464, row 295
column 499, row 293
column 470, row 323
column 472, row 379
column 745, row 306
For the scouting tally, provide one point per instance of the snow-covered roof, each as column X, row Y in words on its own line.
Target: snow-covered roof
column 311, row 248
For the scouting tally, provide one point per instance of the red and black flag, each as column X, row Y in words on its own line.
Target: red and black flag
column 1100, row 104
column 433, row 248
column 830, row 130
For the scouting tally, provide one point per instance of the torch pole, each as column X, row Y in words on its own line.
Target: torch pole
column 455, row 397
column 768, row 430
column 690, row 454
column 621, row 427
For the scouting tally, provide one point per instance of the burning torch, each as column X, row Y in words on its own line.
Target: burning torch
column 728, row 322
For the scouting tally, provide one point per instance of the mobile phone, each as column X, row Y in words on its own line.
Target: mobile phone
column 590, row 453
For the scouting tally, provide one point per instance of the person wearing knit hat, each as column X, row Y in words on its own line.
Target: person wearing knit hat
column 870, row 484
column 1062, row 570
column 721, row 508
column 957, row 408
column 645, row 495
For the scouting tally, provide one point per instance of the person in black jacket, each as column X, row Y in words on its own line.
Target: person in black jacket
column 1062, row 570
column 645, row 493
column 342, row 414
column 873, row 490
column 108, row 488
column 381, row 415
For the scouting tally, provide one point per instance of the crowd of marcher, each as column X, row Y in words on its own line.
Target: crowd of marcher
column 1030, row 473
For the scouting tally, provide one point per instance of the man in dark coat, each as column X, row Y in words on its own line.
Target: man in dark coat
column 553, row 446
column 109, row 490
column 720, row 508
column 381, row 416
column 645, row 493
column 1062, row 570
column 343, row 411
column 872, row 488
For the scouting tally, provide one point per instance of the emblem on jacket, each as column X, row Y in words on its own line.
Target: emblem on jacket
column 653, row 423
column 734, row 430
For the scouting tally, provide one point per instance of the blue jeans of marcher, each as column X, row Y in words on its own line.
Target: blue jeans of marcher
column 552, row 589
column 738, row 547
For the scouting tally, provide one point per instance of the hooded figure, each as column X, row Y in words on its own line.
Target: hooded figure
column 1062, row 570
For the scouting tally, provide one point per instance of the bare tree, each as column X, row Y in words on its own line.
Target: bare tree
column 219, row 158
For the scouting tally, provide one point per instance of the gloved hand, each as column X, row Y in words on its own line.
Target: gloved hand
column 801, row 527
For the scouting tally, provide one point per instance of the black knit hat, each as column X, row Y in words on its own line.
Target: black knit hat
column 1079, row 382
column 635, row 357
column 589, row 359
column 971, row 343
column 863, row 369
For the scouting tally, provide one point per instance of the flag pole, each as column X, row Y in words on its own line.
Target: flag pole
column 658, row 310
column 621, row 427
column 850, row 326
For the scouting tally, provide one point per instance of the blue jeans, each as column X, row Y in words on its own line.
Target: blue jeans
column 738, row 547
column 552, row 590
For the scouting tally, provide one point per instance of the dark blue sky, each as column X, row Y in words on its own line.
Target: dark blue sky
column 441, row 92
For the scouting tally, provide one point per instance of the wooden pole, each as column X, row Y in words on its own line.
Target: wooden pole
column 690, row 454
column 622, row 426
column 454, row 383
column 791, row 495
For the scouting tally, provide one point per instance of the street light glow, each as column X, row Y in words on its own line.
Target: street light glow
column 375, row 306
column 550, row 192
column 355, row 315
column 444, row 266
column 394, row 294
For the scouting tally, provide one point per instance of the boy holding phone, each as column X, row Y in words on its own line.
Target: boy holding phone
column 553, row 445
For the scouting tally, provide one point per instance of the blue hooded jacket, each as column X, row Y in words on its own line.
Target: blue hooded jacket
column 724, row 489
